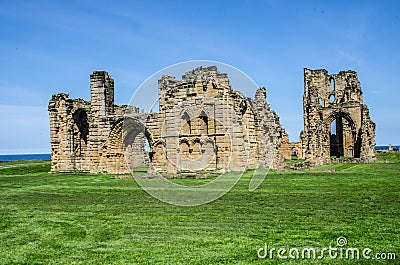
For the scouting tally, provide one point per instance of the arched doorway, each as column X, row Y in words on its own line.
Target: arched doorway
column 342, row 135
column 137, row 144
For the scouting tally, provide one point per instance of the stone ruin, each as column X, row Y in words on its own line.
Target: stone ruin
column 336, row 122
column 203, row 125
column 86, row 136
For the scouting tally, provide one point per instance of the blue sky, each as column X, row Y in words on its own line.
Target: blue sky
column 48, row 47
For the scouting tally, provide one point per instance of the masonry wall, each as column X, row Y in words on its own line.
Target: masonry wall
column 204, row 125
column 86, row 136
column 335, row 98
column 290, row 150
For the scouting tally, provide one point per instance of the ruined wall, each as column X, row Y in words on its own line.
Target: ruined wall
column 290, row 150
column 336, row 122
column 69, row 133
column 205, row 125
column 270, row 133
column 202, row 125
column 86, row 136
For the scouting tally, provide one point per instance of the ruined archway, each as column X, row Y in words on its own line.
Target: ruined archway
column 342, row 135
column 79, row 133
column 217, row 120
column 335, row 102
column 114, row 153
column 137, row 144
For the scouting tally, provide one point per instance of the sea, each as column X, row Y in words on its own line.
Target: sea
column 385, row 147
column 7, row 158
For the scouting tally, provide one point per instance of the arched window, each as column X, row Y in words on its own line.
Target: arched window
column 203, row 120
column 80, row 132
column 186, row 127
column 332, row 82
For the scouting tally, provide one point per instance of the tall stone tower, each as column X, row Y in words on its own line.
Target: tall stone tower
column 336, row 122
column 102, row 94
column 101, row 105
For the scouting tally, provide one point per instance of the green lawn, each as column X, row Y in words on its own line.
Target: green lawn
column 22, row 162
column 97, row 219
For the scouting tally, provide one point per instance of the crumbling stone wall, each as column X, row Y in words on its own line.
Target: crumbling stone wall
column 204, row 125
column 69, row 134
column 334, row 102
column 290, row 150
column 86, row 136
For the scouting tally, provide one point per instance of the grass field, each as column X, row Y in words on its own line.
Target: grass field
column 97, row 219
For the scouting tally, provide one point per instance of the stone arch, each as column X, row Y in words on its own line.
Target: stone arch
column 335, row 114
column 133, row 127
column 342, row 134
column 134, row 135
column 115, row 142
column 113, row 157
column 80, row 132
